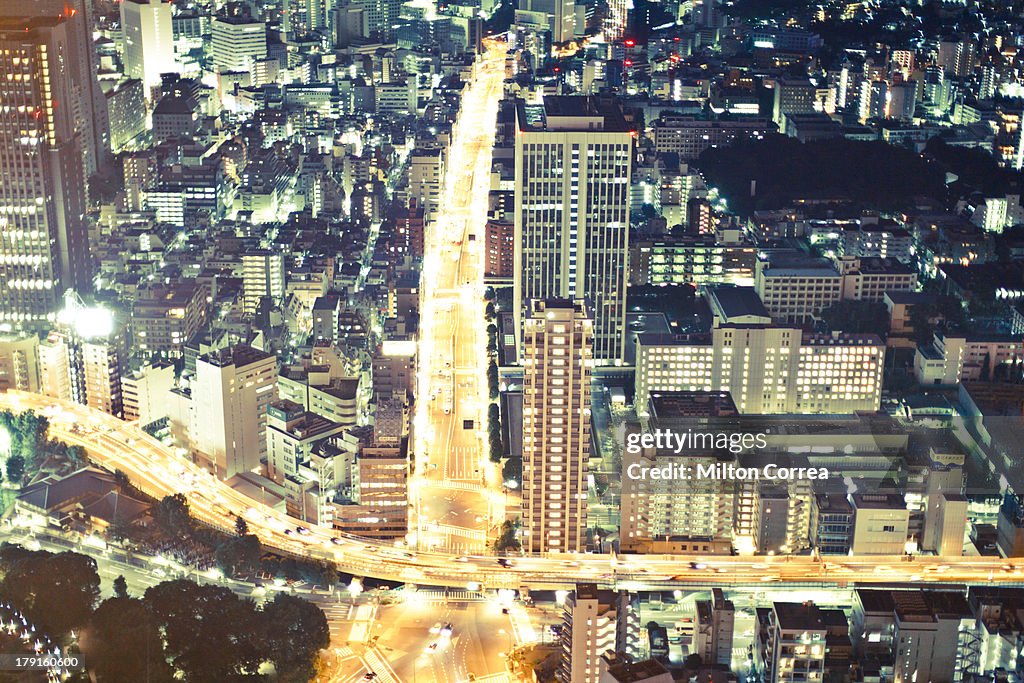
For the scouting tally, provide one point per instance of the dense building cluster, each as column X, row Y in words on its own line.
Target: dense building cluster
column 796, row 220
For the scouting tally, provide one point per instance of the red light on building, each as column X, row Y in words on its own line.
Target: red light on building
column 630, row 43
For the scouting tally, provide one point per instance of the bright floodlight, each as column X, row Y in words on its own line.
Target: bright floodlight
column 355, row 588
column 88, row 322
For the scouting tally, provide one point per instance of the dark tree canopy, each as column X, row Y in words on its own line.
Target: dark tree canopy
column 122, row 643
column 208, row 630
column 172, row 515
column 869, row 174
column 296, row 631
column 56, row 591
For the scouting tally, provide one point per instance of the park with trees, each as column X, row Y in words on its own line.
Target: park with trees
column 176, row 630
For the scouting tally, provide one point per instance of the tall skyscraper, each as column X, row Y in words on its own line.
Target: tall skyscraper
column 148, row 41
column 556, row 424
column 573, row 158
column 89, row 103
column 43, row 238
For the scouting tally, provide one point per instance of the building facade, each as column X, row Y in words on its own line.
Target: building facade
column 556, row 425
column 573, row 164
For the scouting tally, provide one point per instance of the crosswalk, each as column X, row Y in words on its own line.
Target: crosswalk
column 451, row 596
column 455, row 486
column 380, row 666
column 477, row 535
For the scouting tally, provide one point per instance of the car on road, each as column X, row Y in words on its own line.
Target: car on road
column 447, row 630
column 436, row 628
column 698, row 565
column 337, row 541
column 369, row 676
column 302, row 530
column 505, row 562
column 462, row 559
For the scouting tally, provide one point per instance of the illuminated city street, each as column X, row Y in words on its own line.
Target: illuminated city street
column 548, row 341
column 454, row 504
column 158, row 471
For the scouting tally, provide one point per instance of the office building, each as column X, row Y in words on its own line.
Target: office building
column 126, row 112
column 148, row 41
column 292, row 433
column 165, row 317
column 929, row 634
column 831, row 524
column 881, row 524
column 145, row 392
column 380, row 17
column 237, row 39
column 594, row 623
column 89, row 113
column 426, row 171
column 766, row 369
column 559, row 16
column 573, row 160
column 44, row 245
column 321, row 392
column 231, row 391
column 792, row 96
column 796, row 289
column 382, row 489
column 394, row 369
column 557, row 339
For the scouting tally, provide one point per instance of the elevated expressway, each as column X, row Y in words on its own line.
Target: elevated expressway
column 158, row 470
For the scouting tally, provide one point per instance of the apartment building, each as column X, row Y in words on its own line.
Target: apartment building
column 595, row 623
column 689, row 136
column 557, row 338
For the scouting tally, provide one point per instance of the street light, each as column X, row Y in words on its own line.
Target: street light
column 355, row 588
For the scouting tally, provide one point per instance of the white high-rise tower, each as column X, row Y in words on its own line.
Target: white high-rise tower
column 573, row 158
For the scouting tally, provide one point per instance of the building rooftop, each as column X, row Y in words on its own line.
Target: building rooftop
column 238, row 355
column 670, row 404
column 636, row 672
column 572, row 113
column 792, row 616
column 739, row 304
